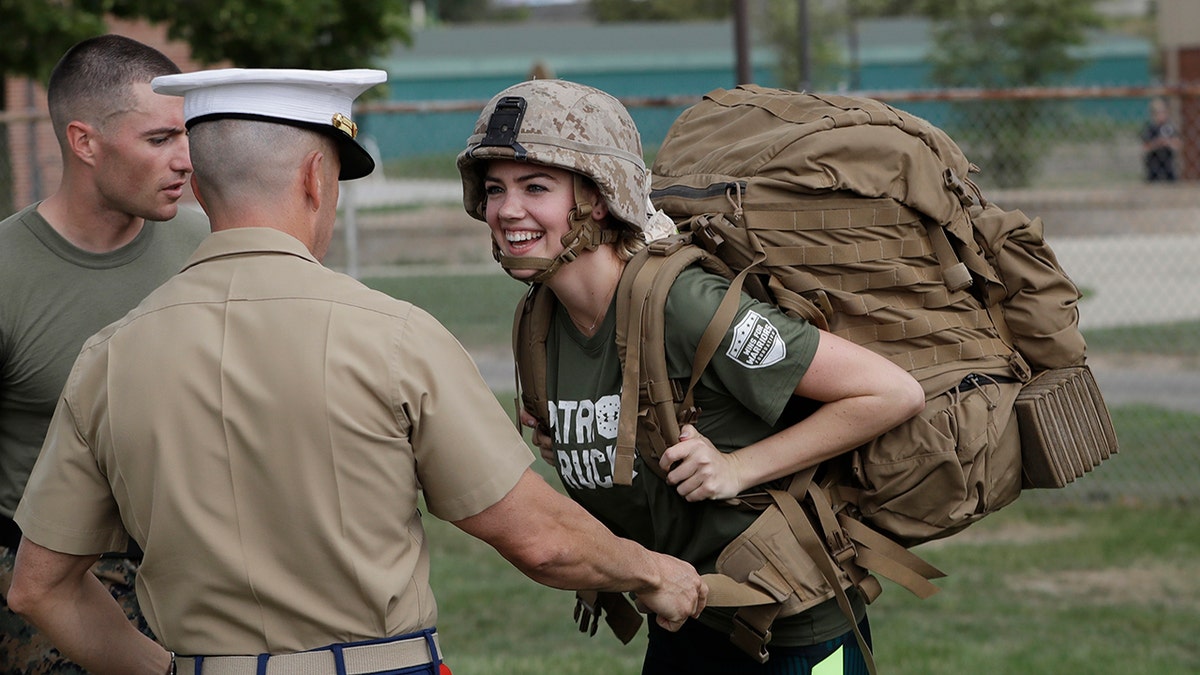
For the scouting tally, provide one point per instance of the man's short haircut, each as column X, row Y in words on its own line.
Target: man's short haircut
column 93, row 80
column 236, row 159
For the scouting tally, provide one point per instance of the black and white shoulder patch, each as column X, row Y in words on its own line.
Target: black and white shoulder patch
column 756, row 342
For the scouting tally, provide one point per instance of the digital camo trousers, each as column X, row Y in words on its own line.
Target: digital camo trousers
column 25, row 651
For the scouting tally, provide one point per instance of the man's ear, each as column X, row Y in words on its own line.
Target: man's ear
column 81, row 140
column 313, row 179
column 196, row 191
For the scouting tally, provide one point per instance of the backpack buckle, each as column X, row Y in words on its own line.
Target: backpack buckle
column 841, row 549
column 587, row 611
column 750, row 639
column 1020, row 367
column 688, row 415
column 668, row 245
column 959, row 189
column 709, row 237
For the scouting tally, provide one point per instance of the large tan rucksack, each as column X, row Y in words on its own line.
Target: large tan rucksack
column 861, row 219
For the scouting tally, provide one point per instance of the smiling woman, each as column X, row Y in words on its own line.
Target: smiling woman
column 555, row 169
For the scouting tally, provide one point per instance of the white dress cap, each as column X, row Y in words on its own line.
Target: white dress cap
column 321, row 100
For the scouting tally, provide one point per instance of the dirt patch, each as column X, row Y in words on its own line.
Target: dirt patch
column 1154, row 584
column 1017, row 532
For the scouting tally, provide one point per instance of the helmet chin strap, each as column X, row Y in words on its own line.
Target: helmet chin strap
column 585, row 234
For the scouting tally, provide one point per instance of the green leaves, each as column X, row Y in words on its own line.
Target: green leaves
column 323, row 34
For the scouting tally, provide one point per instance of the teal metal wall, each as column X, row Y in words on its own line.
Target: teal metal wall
column 452, row 75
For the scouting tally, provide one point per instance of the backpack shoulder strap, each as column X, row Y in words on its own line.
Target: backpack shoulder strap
column 531, row 325
column 648, row 396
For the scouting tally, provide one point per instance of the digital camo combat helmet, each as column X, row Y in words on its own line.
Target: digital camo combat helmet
column 573, row 127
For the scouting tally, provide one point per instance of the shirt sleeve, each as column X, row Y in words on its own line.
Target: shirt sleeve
column 68, row 504
column 468, row 452
column 762, row 355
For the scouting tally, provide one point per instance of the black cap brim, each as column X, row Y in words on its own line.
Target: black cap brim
column 355, row 161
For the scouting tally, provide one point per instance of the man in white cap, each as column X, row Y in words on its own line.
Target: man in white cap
column 262, row 426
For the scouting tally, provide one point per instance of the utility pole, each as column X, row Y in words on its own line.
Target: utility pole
column 741, row 42
column 805, row 50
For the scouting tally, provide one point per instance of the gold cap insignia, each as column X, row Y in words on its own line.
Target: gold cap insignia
column 345, row 125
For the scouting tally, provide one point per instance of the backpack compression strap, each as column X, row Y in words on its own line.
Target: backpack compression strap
column 641, row 295
column 531, row 325
column 650, row 399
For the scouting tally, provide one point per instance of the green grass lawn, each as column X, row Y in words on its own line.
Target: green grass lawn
column 1172, row 339
column 476, row 308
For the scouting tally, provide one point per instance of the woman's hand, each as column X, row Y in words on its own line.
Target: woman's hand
column 699, row 470
column 544, row 443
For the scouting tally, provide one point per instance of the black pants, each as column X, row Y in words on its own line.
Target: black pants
column 697, row 649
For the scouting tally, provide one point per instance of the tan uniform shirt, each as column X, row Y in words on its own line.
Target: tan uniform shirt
column 261, row 425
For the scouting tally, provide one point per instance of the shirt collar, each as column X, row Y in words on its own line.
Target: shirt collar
column 243, row 240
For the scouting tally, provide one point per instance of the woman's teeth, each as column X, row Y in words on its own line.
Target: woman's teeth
column 518, row 237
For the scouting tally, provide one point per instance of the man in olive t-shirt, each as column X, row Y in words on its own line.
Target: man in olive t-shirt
column 77, row 261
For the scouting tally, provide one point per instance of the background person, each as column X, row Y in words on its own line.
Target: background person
column 565, row 192
column 79, row 260
column 1160, row 143
column 262, row 426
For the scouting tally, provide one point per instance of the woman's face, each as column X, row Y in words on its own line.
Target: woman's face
column 527, row 208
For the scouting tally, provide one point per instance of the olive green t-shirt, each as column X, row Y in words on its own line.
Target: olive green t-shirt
column 54, row 297
column 742, row 395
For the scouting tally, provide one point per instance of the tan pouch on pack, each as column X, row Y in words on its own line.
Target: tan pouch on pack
column 768, row 557
column 1066, row 430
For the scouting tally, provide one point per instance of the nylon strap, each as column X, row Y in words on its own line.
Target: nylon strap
column 845, row 254
column 803, row 530
column 963, row 351
column 620, row 614
column 954, row 272
column 902, row 566
column 994, row 292
column 801, row 280
column 653, row 268
column 791, row 215
column 725, row 591
column 926, row 324
column 531, row 325
column 719, row 325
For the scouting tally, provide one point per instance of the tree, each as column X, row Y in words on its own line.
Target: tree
column 993, row 44
column 32, row 36
column 824, row 21
column 998, row 44
column 321, row 34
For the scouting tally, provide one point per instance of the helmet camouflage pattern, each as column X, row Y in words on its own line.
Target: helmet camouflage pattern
column 566, row 125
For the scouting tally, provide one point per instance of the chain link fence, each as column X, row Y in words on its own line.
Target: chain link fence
column 1075, row 157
